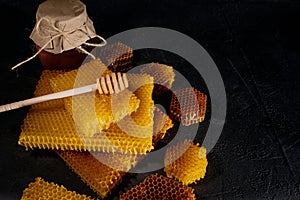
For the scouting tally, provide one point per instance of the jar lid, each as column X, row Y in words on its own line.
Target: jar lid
column 64, row 25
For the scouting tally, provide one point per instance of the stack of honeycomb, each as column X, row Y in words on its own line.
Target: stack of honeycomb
column 41, row 189
column 163, row 76
column 55, row 129
column 103, row 171
column 186, row 162
column 117, row 56
column 50, row 126
column 159, row 187
column 188, row 105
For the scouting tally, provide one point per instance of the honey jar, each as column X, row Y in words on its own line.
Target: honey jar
column 64, row 34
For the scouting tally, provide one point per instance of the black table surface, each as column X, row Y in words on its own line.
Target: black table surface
column 255, row 45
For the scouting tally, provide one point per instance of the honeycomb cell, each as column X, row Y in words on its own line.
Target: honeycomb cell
column 149, row 189
column 186, row 166
column 117, row 56
column 163, row 76
column 41, row 189
column 192, row 106
column 96, row 169
column 55, row 129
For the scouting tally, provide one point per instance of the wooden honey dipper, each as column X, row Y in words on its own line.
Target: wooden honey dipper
column 109, row 84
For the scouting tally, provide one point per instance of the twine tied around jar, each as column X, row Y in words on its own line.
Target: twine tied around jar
column 56, row 33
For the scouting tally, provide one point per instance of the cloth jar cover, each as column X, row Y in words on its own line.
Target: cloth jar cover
column 64, row 23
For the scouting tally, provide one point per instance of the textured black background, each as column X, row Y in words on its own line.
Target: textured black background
column 255, row 45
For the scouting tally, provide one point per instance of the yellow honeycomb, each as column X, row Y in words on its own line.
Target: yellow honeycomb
column 191, row 110
column 55, row 129
column 159, row 187
column 98, row 176
column 41, row 189
column 163, row 76
column 117, row 56
column 93, row 112
column 142, row 119
column 103, row 176
column 137, row 129
column 188, row 166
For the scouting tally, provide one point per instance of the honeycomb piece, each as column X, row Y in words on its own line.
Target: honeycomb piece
column 117, row 56
column 142, row 86
column 188, row 166
column 159, row 187
column 55, row 129
column 93, row 112
column 103, row 171
column 139, row 125
column 41, row 189
column 99, row 177
column 163, row 76
column 191, row 110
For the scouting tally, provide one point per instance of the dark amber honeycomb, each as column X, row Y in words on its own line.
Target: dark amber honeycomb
column 192, row 106
column 186, row 166
column 117, row 56
column 159, row 187
column 163, row 76
column 42, row 190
